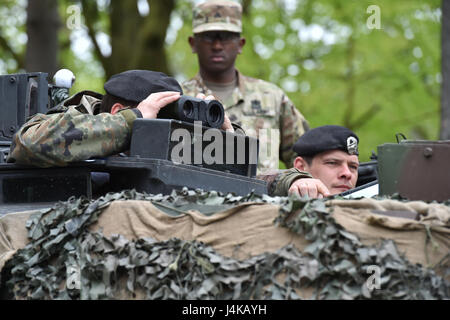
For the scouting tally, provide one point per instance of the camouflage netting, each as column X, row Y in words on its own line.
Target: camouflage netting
column 64, row 260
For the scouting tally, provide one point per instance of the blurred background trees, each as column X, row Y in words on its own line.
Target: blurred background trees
column 445, row 62
column 377, row 67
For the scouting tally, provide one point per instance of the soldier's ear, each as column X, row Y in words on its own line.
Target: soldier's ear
column 191, row 41
column 116, row 108
column 241, row 44
column 300, row 164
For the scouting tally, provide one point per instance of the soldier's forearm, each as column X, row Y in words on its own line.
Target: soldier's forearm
column 57, row 139
column 279, row 181
column 285, row 180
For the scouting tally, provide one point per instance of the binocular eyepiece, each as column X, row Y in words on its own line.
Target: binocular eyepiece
column 190, row 109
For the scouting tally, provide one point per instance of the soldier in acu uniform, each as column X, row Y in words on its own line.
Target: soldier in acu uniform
column 259, row 107
column 326, row 164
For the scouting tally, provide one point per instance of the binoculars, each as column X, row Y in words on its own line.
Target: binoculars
column 190, row 109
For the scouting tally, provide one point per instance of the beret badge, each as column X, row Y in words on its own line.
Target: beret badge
column 352, row 145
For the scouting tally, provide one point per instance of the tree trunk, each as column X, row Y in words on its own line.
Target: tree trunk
column 137, row 42
column 445, row 58
column 246, row 5
column 42, row 30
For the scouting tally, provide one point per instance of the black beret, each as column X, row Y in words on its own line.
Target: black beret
column 327, row 138
column 136, row 85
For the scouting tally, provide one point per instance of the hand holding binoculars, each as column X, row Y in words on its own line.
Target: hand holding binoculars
column 190, row 109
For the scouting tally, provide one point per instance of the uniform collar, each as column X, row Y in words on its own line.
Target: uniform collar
column 238, row 93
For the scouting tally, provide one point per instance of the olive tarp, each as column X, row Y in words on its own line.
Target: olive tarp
column 221, row 246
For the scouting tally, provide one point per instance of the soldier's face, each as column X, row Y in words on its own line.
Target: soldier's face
column 216, row 50
column 336, row 169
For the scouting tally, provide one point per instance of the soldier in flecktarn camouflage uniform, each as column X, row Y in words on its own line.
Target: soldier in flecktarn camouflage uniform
column 91, row 125
column 261, row 108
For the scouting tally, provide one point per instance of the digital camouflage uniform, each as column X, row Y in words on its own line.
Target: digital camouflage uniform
column 259, row 107
column 263, row 111
column 222, row 15
column 72, row 133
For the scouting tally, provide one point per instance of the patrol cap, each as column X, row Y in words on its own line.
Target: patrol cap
column 325, row 138
column 136, row 85
column 217, row 15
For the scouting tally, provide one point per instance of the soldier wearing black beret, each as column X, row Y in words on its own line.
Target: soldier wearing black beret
column 126, row 90
column 326, row 138
column 131, row 87
column 326, row 164
column 91, row 125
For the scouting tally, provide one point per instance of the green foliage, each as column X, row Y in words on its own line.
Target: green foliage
column 76, row 53
column 12, row 35
column 183, row 61
column 338, row 71
column 321, row 52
